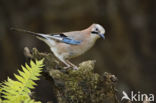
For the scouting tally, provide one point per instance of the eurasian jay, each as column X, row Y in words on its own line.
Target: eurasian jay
column 68, row 45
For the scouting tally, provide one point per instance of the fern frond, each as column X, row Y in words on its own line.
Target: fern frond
column 17, row 91
column 30, row 101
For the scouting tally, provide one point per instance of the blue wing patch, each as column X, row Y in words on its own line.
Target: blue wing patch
column 66, row 39
column 71, row 41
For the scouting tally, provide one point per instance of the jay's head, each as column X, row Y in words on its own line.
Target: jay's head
column 97, row 31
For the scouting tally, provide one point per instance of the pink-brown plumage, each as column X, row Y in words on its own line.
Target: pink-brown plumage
column 71, row 44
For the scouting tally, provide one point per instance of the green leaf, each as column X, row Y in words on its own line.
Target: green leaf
column 19, row 78
column 17, row 91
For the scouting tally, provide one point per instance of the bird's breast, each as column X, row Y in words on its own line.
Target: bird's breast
column 68, row 51
column 77, row 50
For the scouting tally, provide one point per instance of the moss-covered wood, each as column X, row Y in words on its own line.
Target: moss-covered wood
column 77, row 86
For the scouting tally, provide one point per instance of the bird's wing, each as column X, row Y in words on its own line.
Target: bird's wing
column 63, row 38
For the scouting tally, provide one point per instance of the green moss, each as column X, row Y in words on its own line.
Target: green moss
column 83, row 85
column 79, row 86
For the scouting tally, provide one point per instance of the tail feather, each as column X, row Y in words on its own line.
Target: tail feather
column 30, row 32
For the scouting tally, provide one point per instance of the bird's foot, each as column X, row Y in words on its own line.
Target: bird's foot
column 67, row 67
column 75, row 68
column 72, row 65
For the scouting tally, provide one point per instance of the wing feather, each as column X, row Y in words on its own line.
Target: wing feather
column 63, row 38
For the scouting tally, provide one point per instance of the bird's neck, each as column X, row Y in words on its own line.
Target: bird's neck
column 91, row 37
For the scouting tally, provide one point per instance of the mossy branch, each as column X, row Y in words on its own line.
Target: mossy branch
column 77, row 86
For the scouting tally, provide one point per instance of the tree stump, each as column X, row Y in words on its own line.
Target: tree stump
column 77, row 86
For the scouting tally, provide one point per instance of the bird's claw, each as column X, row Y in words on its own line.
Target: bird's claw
column 67, row 67
column 75, row 68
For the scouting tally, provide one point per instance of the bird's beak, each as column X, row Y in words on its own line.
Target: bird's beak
column 102, row 36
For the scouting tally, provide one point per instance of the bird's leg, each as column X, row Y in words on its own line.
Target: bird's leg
column 63, row 61
column 74, row 66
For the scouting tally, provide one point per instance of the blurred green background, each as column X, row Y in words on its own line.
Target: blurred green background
column 129, row 51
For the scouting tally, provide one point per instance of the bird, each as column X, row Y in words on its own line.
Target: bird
column 67, row 45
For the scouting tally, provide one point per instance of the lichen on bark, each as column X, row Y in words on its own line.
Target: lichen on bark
column 77, row 86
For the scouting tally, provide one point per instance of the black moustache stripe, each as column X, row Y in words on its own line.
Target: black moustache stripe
column 94, row 32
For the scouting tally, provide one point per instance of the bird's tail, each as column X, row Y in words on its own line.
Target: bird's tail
column 30, row 32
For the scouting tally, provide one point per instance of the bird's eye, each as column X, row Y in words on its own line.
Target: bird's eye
column 96, row 29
